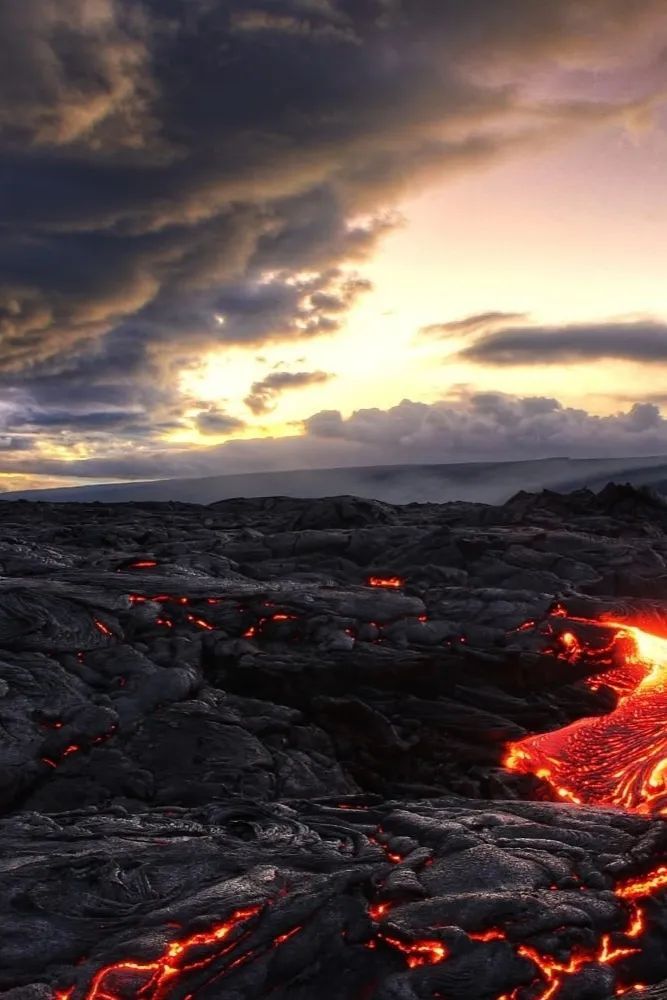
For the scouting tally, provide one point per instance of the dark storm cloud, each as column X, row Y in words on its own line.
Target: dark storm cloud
column 263, row 394
column 167, row 162
column 644, row 341
column 83, row 421
column 14, row 444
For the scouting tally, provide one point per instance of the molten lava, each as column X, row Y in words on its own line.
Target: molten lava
column 157, row 980
column 382, row 581
column 618, row 759
column 418, row 952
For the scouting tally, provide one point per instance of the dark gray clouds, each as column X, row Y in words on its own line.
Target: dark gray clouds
column 167, row 162
column 263, row 394
column 216, row 421
column 471, row 426
column 643, row 341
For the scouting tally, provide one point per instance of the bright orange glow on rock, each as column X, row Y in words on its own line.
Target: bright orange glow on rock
column 490, row 935
column 382, row 581
column 615, row 760
column 201, row 623
column 553, row 973
column 101, row 627
column 390, row 855
column 282, row 938
column 155, row 980
column 643, row 886
column 418, row 952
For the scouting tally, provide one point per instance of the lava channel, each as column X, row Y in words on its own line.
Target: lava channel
column 619, row 759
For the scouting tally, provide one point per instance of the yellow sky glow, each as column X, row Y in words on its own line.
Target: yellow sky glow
column 574, row 233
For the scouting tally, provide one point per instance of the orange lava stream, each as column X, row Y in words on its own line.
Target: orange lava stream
column 381, row 581
column 155, row 980
column 647, row 885
column 615, row 760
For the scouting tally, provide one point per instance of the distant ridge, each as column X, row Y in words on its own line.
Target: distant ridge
column 484, row 482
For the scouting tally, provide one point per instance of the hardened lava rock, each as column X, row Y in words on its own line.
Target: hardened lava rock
column 258, row 749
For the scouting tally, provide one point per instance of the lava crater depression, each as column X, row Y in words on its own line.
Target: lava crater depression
column 334, row 749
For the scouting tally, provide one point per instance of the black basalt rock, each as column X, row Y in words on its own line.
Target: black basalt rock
column 255, row 750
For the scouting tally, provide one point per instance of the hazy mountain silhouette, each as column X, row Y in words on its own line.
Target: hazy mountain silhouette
column 485, row 482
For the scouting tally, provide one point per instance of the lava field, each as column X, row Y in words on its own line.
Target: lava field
column 334, row 749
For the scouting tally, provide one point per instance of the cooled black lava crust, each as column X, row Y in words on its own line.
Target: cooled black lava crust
column 231, row 768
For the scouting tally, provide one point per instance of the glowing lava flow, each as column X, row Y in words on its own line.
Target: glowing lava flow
column 381, row 581
column 552, row 973
column 618, row 759
column 157, row 979
column 418, row 952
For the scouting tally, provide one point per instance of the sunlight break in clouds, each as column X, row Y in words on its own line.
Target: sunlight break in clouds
column 170, row 211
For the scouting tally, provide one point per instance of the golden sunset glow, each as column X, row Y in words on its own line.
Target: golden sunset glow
column 448, row 245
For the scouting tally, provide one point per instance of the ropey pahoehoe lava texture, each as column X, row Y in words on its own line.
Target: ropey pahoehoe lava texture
column 334, row 749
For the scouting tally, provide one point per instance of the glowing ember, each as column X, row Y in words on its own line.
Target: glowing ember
column 381, row 581
column 201, row 623
column 143, row 564
column 619, row 759
column 101, row 627
column 285, row 937
column 395, row 859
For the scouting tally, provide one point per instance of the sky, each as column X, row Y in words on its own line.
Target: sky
column 245, row 236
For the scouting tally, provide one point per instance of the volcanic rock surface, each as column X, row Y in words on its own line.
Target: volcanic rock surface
column 260, row 749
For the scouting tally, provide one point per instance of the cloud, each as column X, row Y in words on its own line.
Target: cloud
column 263, row 394
column 473, row 427
column 641, row 341
column 215, row 421
column 488, row 426
column 468, row 325
column 167, row 162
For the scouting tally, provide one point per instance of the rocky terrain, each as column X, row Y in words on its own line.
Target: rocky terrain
column 275, row 748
